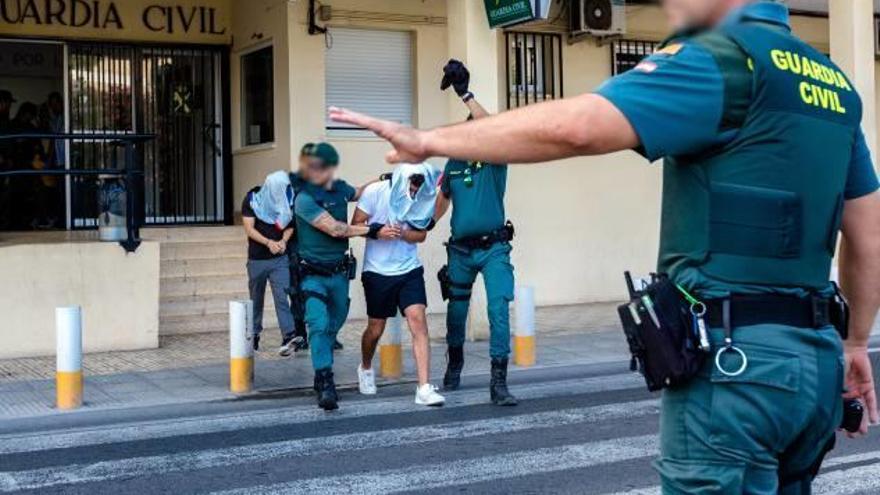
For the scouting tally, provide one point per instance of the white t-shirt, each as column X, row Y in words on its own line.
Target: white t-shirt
column 385, row 257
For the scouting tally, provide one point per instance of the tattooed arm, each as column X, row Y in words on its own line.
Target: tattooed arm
column 340, row 230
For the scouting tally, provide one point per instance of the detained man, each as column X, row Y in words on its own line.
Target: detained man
column 267, row 218
column 400, row 211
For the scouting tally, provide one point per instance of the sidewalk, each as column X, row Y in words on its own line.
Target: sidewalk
column 191, row 368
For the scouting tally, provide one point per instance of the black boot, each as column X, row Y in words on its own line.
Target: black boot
column 454, row 364
column 498, row 387
column 326, row 389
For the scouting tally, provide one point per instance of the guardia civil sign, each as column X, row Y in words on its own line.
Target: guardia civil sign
column 507, row 12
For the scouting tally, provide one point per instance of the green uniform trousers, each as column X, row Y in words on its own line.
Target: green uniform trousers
column 494, row 264
column 762, row 431
column 327, row 304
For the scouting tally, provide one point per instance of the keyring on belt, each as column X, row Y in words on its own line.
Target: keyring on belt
column 728, row 345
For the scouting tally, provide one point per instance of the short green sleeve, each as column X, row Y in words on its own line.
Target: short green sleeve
column 307, row 208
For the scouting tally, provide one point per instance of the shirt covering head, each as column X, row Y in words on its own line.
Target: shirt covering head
column 417, row 210
column 272, row 203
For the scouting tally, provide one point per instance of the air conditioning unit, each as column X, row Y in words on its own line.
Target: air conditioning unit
column 598, row 17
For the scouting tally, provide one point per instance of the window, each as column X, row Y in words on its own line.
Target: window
column 258, row 95
column 534, row 68
column 626, row 54
column 370, row 71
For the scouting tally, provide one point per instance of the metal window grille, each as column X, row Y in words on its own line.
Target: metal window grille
column 174, row 93
column 534, row 68
column 626, row 54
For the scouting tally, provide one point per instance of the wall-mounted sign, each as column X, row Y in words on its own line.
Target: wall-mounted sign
column 507, row 12
column 185, row 21
column 503, row 13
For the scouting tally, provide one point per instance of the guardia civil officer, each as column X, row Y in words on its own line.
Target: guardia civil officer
column 480, row 243
column 326, row 267
column 765, row 163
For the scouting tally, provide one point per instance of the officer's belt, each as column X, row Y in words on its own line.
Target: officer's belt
column 792, row 311
column 484, row 241
column 324, row 269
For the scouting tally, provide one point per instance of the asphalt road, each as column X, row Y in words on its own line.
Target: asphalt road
column 584, row 430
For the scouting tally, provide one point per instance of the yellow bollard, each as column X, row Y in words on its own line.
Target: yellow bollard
column 241, row 347
column 391, row 351
column 68, row 359
column 524, row 335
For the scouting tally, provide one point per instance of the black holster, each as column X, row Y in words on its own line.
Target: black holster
column 659, row 331
column 838, row 312
column 445, row 283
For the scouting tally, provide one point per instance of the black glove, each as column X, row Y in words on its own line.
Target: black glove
column 455, row 74
column 374, row 230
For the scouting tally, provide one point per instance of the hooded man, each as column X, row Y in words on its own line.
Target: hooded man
column 393, row 276
column 267, row 217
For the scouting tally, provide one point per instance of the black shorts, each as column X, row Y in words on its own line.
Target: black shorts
column 387, row 294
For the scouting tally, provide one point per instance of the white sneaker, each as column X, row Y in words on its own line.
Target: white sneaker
column 426, row 395
column 366, row 381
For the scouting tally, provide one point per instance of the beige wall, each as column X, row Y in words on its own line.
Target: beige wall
column 259, row 23
column 580, row 222
column 118, row 292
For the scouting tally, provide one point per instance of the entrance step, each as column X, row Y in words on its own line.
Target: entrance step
column 202, row 286
column 201, row 270
column 193, row 234
column 199, row 250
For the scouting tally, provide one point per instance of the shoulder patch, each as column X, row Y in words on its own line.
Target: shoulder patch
column 670, row 50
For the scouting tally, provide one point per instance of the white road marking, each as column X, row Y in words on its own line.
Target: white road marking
column 195, row 460
column 129, row 432
column 651, row 490
column 449, row 474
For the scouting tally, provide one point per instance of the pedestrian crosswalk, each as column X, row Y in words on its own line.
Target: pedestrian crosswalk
column 593, row 435
column 421, row 477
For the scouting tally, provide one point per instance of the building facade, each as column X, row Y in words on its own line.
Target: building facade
column 232, row 89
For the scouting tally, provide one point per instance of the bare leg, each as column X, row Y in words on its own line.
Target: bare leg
column 369, row 341
column 418, row 327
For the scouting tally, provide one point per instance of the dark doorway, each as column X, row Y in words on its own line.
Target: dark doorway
column 32, row 102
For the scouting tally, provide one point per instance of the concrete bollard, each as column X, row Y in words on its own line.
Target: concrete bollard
column 391, row 350
column 68, row 359
column 241, row 347
column 524, row 334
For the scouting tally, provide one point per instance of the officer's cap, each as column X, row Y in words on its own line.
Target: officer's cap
column 322, row 151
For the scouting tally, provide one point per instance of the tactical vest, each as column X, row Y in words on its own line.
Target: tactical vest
column 313, row 244
column 765, row 209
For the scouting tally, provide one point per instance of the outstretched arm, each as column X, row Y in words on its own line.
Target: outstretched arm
column 584, row 125
column 477, row 110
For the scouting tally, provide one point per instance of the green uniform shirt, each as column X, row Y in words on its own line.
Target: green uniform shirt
column 314, row 245
column 477, row 194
